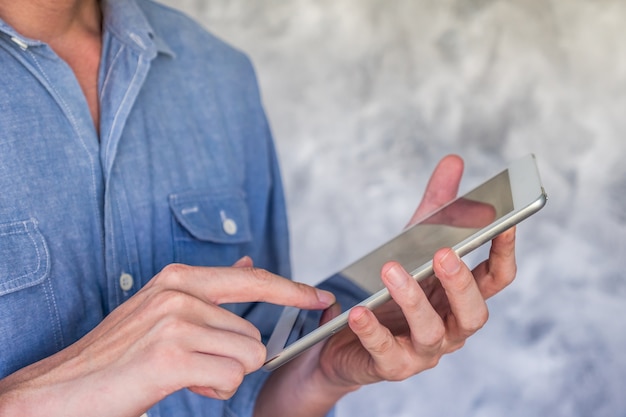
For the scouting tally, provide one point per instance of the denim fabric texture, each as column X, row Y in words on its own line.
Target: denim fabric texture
column 183, row 170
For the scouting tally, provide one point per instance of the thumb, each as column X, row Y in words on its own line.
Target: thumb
column 244, row 262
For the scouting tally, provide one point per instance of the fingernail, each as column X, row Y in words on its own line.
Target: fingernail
column 450, row 262
column 396, row 276
column 327, row 298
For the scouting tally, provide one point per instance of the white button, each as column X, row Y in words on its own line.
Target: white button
column 229, row 226
column 126, row 281
column 144, row 415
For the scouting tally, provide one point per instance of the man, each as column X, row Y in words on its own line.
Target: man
column 141, row 210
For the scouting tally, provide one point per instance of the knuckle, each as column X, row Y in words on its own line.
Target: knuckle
column 465, row 283
column 433, row 340
column 250, row 330
column 224, row 394
column 437, row 337
column 503, row 271
column 503, row 279
column 268, row 283
column 400, row 372
column 169, row 301
column 174, row 269
column 384, row 346
column 410, row 300
column 483, row 317
column 304, row 290
column 256, row 334
column 261, row 276
column 396, row 374
column 509, row 236
column 258, row 354
column 405, row 368
column 367, row 331
column 234, row 373
column 478, row 323
column 165, row 311
column 170, row 327
column 432, row 362
column 171, row 275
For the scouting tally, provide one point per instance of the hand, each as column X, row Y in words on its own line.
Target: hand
column 172, row 334
column 413, row 331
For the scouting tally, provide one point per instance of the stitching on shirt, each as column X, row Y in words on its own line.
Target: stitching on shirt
column 55, row 318
column 74, row 124
column 189, row 210
column 105, row 84
column 122, row 105
column 60, row 98
column 54, row 313
column 27, row 232
column 109, row 152
column 17, row 232
column 54, row 308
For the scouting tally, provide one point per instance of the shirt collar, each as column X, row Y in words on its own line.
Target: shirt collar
column 123, row 18
column 126, row 20
column 20, row 40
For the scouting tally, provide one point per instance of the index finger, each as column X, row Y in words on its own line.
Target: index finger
column 219, row 285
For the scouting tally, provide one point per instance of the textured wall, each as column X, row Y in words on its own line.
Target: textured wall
column 365, row 95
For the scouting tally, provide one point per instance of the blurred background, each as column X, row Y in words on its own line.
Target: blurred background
column 365, row 96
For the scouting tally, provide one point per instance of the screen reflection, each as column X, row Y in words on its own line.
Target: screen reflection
column 415, row 247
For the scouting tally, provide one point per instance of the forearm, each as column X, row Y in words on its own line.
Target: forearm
column 63, row 386
column 36, row 389
column 50, row 400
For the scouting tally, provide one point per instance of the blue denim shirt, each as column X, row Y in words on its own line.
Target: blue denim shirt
column 183, row 170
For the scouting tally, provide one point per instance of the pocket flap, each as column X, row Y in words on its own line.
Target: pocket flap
column 214, row 217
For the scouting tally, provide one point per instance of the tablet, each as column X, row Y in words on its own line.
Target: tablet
column 463, row 224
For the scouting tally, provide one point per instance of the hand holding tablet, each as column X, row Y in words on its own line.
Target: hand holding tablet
column 463, row 224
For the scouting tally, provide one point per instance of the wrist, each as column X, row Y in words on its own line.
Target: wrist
column 326, row 381
column 10, row 404
column 18, row 399
column 301, row 388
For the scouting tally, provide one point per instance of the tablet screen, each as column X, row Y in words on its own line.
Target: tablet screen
column 413, row 249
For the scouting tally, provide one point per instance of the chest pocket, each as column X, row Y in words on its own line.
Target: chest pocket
column 23, row 256
column 210, row 228
column 29, row 321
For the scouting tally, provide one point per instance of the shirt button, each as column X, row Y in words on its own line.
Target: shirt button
column 126, row 281
column 229, row 226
